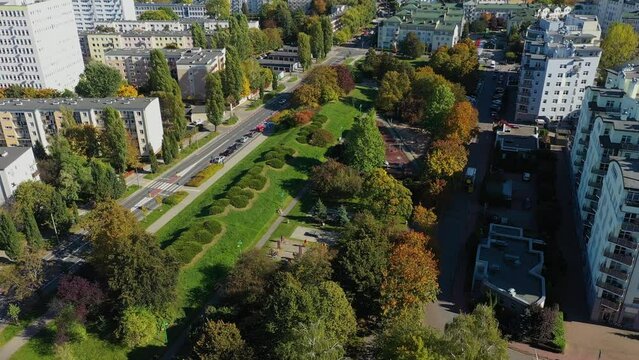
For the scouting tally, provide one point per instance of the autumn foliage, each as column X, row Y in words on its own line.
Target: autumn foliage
column 446, row 158
column 424, row 218
column 303, row 117
column 461, row 121
column 344, row 78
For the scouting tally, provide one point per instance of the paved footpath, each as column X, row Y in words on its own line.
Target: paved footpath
column 21, row 339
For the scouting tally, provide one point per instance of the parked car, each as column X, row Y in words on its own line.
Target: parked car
column 219, row 159
column 526, row 176
column 500, row 89
column 527, row 203
column 244, row 139
column 495, row 107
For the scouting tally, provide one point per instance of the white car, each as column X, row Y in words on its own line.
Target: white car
column 526, row 176
column 539, row 121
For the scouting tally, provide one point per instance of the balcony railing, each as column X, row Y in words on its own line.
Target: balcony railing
column 610, row 287
column 585, row 130
column 578, row 162
column 630, row 226
column 613, row 272
column 630, row 244
column 629, row 146
column 632, row 202
column 598, row 171
column 589, row 209
column 592, row 197
column 581, row 152
column 595, row 184
column 582, row 141
column 614, row 305
column 622, row 258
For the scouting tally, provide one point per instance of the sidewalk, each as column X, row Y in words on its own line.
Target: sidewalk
column 21, row 339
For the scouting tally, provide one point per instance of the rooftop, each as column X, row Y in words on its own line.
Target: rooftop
column 75, row 103
column 10, row 154
column 518, row 137
column 629, row 171
column 510, row 264
column 197, row 56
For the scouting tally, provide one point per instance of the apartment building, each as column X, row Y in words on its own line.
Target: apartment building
column 89, row 12
column 188, row 66
column 94, row 44
column 27, row 121
column 39, row 44
column 183, row 11
column 302, row 5
column 179, row 25
column 589, row 7
column 631, row 18
column 560, row 60
column 605, row 169
column 611, row 11
column 253, row 6
column 435, row 24
column 17, row 165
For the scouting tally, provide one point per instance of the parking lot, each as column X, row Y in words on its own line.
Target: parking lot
column 521, row 212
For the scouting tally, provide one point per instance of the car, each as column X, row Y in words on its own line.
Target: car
column 496, row 219
column 218, row 159
column 500, row 89
column 497, row 102
column 226, row 152
column 244, row 139
column 498, row 96
column 527, row 203
column 495, row 107
column 526, row 176
column 282, row 101
column 540, row 121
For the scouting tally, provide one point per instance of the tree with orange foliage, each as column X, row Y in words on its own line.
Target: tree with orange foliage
column 461, row 121
column 303, row 117
column 446, row 157
column 319, row 6
column 126, row 90
column 424, row 218
column 411, row 277
column 306, row 95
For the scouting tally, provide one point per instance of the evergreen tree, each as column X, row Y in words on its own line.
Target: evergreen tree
column 317, row 38
column 153, row 160
column 342, row 216
column 199, row 36
column 167, row 153
column 319, row 210
column 232, row 77
column 214, row 99
column 245, row 8
column 274, row 80
column 39, row 152
column 30, row 228
column 239, row 36
column 327, row 29
column 115, row 140
column 9, row 237
column 304, row 49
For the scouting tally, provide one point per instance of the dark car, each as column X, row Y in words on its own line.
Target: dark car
column 527, row 203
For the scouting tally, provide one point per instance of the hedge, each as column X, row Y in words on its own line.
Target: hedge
column 273, row 154
column 204, row 175
column 257, row 182
column 559, row 332
column 256, row 170
column 184, row 251
column 215, row 210
column 175, row 198
column 214, row 227
column 275, row 163
column 202, row 236
column 239, row 201
column 320, row 119
column 231, row 121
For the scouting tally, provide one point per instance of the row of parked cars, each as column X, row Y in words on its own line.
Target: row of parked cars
column 496, row 104
column 220, row 159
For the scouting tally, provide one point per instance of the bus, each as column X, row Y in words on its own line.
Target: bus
column 469, row 179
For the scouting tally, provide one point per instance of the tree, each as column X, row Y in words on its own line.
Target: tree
column 232, row 76
column 167, row 151
column 424, row 218
column 239, row 36
column 247, row 282
column 132, row 153
column 619, row 46
column 45, row 203
column 405, row 338
column 446, row 157
column 160, row 76
column 335, row 180
column 218, row 9
column 105, row 184
column 199, row 36
column 313, row 267
column 458, row 64
column 83, row 139
column 138, row 327
column 115, row 139
column 365, row 149
column 462, row 121
column 39, row 151
column 218, row 340
column 342, row 216
column 287, row 305
column 274, row 81
column 214, row 99
column 98, row 80
column 153, row 160
column 324, row 78
column 310, row 341
column 14, row 313
column 412, row 46
column 478, row 26
column 476, row 336
column 307, row 95
column 126, row 90
column 172, row 110
column 327, row 29
column 385, row 196
column 319, row 210
column 304, row 49
column 411, row 278
column 30, row 228
column 437, row 108
column 393, row 90
column 317, row 37
column 10, row 240
column 26, row 276
column 319, row 6
column 332, row 305
column 344, row 78
column 83, row 295
column 245, row 9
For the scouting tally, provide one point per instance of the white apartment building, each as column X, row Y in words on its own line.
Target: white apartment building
column 183, row 11
column 560, row 60
column 605, row 167
column 94, row 44
column 179, row 25
column 303, row 5
column 27, row 121
column 254, row 6
column 17, row 165
column 611, row 11
column 39, row 44
column 89, row 12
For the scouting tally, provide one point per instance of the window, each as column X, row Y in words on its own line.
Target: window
column 561, row 75
column 626, row 139
column 565, row 92
column 554, row 101
column 545, row 92
column 558, row 84
column 547, row 84
column 557, row 92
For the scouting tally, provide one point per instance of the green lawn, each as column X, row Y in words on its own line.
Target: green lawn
column 292, row 79
column 12, row 330
column 255, row 104
column 243, row 228
column 184, row 153
column 130, row 190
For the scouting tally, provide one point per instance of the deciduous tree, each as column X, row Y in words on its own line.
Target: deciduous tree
column 412, row 46
column 214, row 99
column 98, row 80
column 365, row 149
column 138, row 327
column 199, row 36
column 385, row 196
column 114, row 139
column 446, row 157
column 232, row 76
column 247, row 282
column 476, row 336
column 424, row 218
column 126, row 90
column 218, row 340
column 153, row 160
column 218, row 9
column 333, row 179
column 239, row 36
column 327, row 29
column 26, row 276
column 393, row 90
column 314, row 27
column 30, row 228
column 83, row 295
column 304, row 49
column 461, row 121
column 344, row 78
column 619, row 46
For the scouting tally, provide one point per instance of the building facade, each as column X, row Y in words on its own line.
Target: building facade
column 39, row 45
column 560, row 60
column 95, row 44
column 183, row 11
column 434, row 24
column 27, row 121
column 179, row 25
column 17, row 165
column 302, row 5
column 188, row 66
column 605, row 169
column 253, row 6
column 611, row 11
column 89, row 12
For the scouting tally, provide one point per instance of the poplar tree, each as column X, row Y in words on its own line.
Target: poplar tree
column 327, row 29
column 232, row 77
column 304, row 49
column 214, row 99
column 274, row 80
column 199, row 36
column 317, row 38
column 30, row 228
column 153, row 160
column 9, row 237
column 167, row 154
column 114, row 139
column 239, row 36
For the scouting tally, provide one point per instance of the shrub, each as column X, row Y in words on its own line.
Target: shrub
column 213, row 227
column 303, row 117
column 184, row 251
column 559, row 332
column 302, row 139
column 232, row 120
column 273, row 154
column 282, row 117
column 320, row 119
column 204, row 175
column 286, row 150
column 175, row 198
column 77, row 332
column 275, row 163
column 321, row 138
column 257, row 182
column 202, row 236
column 256, row 170
column 215, row 210
column 239, row 201
column 237, row 191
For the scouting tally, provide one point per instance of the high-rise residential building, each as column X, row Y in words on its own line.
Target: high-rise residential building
column 39, row 44
column 27, row 121
column 611, row 11
column 605, row 170
column 253, row 6
column 17, row 165
column 560, row 60
column 88, row 12
column 303, row 5
column 95, row 43
column 171, row 25
column 188, row 66
column 183, row 11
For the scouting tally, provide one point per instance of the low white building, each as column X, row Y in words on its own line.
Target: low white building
column 253, row 6
column 27, row 121
column 17, row 165
column 176, row 25
column 517, row 138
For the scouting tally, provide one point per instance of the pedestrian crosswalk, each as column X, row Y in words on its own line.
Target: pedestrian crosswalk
column 158, row 188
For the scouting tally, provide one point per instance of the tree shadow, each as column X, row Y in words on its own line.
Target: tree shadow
column 146, row 352
column 211, row 283
column 303, row 163
column 293, row 186
column 629, row 336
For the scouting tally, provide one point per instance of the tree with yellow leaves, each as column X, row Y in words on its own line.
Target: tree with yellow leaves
column 126, row 90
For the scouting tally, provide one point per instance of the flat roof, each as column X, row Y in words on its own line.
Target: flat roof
column 10, row 154
column 524, row 137
column 511, row 265
column 75, row 103
column 629, row 171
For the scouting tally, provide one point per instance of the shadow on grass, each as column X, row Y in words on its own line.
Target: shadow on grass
column 303, row 163
column 146, row 352
column 293, row 186
column 211, row 283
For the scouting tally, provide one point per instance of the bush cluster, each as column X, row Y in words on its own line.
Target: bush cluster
column 313, row 134
column 204, row 175
column 276, row 158
column 175, row 198
column 190, row 243
column 321, row 138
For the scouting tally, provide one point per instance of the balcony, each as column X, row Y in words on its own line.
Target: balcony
column 582, row 152
column 629, row 146
column 630, row 226
column 578, row 162
column 585, row 130
column 610, row 287
column 627, row 243
column 632, row 202
column 592, row 197
column 595, row 184
column 613, row 272
column 588, row 209
column 597, row 171
column 622, row 258
column 614, row 305
column 582, row 142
